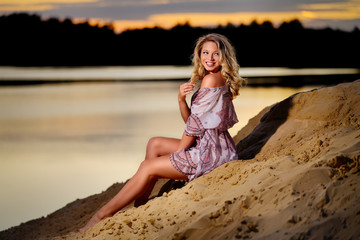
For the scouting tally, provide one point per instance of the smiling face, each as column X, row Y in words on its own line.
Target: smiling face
column 210, row 57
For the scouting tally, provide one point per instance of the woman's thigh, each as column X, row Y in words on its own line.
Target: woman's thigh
column 161, row 167
column 160, row 146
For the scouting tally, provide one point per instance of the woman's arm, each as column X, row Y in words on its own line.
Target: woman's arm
column 184, row 90
column 185, row 141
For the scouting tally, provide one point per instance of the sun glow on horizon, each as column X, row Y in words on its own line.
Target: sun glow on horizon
column 199, row 19
column 308, row 14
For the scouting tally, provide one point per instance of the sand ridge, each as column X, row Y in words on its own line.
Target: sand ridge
column 297, row 178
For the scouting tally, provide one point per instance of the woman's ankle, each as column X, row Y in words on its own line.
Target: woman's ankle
column 103, row 213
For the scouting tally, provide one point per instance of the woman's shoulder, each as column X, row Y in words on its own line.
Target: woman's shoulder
column 212, row 81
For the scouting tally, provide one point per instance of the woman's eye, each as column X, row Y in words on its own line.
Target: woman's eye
column 205, row 52
column 216, row 54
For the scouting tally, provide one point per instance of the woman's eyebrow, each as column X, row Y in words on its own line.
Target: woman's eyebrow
column 204, row 49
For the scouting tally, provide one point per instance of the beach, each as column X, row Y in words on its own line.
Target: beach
column 297, row 177
column 54, row 138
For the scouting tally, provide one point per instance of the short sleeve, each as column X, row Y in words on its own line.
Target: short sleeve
column 211, row 108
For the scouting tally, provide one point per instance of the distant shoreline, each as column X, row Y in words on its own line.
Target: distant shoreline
column 256, row 76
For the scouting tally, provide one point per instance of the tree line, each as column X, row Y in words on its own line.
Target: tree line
column 28, row 40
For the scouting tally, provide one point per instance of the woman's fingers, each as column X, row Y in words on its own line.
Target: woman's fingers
column 187, row 88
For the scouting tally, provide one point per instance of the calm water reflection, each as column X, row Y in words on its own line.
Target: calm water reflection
column 67, row 141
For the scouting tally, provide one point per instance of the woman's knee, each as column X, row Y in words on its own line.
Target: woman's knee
column 147, row 169
column 154, row 142
column 153, row 147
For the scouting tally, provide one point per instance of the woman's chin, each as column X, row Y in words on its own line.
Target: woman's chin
column 212, row 70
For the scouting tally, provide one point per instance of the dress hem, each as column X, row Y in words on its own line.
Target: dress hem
column 173, row 163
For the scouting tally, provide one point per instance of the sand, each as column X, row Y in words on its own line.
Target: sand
column 297, row 178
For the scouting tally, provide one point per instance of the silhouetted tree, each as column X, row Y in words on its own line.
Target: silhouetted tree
column 267, row 25
column 292, row 26
column 27, row 40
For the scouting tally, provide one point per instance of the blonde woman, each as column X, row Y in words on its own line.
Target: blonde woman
column 205, row 143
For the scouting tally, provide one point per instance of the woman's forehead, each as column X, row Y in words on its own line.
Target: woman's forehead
column 210, row 45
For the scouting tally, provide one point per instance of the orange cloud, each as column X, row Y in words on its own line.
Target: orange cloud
column 334, row 11
column 35, row 5
column 334, row 15
column 338, row 6
column 26, row 8
column 30, row 2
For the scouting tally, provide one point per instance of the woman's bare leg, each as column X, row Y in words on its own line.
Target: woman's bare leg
column 156, row 147
column 144, row 197
column 160, row 146
column 158, row 167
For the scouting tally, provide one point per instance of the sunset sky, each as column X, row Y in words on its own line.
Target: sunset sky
column 124, row 14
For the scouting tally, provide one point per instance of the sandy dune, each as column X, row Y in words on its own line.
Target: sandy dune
column 298, row 178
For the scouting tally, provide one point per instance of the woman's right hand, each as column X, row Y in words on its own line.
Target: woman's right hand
column 185, row 89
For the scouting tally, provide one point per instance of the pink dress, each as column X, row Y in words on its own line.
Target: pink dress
column 212, row 114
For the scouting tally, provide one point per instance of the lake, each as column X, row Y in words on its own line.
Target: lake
column 63, row 141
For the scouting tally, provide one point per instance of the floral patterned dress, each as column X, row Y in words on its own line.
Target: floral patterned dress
column 212, row 114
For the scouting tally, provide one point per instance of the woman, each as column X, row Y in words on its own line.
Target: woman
column 206, row 143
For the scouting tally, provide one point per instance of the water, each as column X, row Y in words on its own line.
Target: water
column 116, row 73
column 60, row 142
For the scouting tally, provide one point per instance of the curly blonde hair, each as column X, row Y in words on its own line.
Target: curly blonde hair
column 229, row 66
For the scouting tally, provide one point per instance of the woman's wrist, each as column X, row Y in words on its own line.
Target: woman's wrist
column 182, row 99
